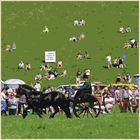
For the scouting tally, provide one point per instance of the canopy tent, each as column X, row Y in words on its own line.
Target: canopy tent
column 2, row 84
column 13, row 83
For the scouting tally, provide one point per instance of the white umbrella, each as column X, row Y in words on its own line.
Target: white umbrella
column 13, row 83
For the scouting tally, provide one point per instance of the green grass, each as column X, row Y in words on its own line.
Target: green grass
column 108, row 126
column 23, row 23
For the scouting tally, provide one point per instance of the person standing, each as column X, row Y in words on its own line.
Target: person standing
column 3, row 101
column 12, row 105
column 126, row 96
column 109, row 61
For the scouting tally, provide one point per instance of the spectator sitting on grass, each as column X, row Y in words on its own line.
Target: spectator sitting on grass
column 64, row 73
column 122, row 30
column 82, row 36
column 127, row 78
column 21, row 65
column 59, row 64
column 46, row 76
column 127, row 45
column 115, row 63
column 37, row 86
column 8, row 48
column 51, row 75
column 79, row 55
column 47, row 67
column 55, row 72
column 133, row 43
column 38, row 77
column 120, row 62
column 28, row 66
column 128, row 29
column 87, row 71
column 86, row 55
column 73, row 39
column 119, row 79
column 46, row 30
column 42, row 67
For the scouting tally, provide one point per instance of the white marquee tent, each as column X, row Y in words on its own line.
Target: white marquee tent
column 13, row 83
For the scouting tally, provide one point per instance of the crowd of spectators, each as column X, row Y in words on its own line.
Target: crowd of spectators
column 50, row 73
column 125, row 97
column 10, row 104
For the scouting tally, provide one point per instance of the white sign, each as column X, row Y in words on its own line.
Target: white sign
column 50, row 56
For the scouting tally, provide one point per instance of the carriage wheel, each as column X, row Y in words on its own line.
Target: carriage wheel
column 84, row 108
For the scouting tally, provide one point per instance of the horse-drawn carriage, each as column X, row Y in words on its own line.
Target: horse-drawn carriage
column 84, row 103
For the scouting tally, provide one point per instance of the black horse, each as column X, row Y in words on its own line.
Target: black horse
column 38, row 100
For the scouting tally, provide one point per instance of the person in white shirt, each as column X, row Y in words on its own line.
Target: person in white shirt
column 108, row 103
column 122, row 30
column 109, row 61
column 51, row 77
column 37, row 86
column 46, row 30
column 87, row 72
column 21, row 65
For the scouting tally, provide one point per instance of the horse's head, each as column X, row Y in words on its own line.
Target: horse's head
column 25, row 90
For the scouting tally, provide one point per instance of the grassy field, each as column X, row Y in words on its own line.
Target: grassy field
column 114, row 126
column 23, row 22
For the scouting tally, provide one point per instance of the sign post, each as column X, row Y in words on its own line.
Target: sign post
column 50, row 56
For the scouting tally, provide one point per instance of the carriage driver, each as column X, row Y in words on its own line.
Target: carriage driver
column 85, row 90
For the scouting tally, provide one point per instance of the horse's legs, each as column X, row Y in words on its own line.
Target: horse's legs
column 67, row 111
column 39, row 112
column 56, row 109
column 25, row 113
column 65, row 107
